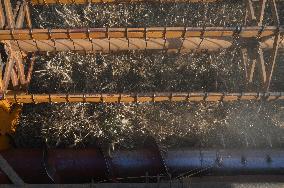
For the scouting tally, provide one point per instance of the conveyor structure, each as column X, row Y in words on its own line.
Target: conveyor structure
column 21, row 42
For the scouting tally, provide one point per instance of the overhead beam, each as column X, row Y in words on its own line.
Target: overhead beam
column 146, row 33
column 141, row 97
column 46, row 2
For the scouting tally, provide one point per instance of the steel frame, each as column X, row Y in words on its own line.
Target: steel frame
column 21, row 42
column 141, row 97
column 257, row 57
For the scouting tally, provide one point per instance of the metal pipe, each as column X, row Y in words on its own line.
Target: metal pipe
column 86, row 165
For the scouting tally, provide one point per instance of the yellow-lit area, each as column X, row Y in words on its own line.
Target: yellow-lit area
column 9, row 118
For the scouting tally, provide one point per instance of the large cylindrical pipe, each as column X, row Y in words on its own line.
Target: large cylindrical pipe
column 75, row 166
column 250, row 162
column 137, row 163
column 86, row 165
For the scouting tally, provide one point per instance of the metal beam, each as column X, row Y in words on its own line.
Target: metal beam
column 262, row 11
column 14, row 18
column 262, row 64
column 250, row 11
column 9, row 171
column 2, row 16
column 46, row 2
column 274, row 12
column 273, row 60
column 141, row 97
column 144, row 33
column 20, row 17
column 7, row 74
column 9, row 14
column 177, row 39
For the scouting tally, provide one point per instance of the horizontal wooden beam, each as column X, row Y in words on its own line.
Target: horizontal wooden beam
column 141, row 97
